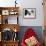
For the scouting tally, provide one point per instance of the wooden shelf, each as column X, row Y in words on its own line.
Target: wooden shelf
column 10, row 26
column 9, row 9
column 9, row 43
column 4, row 13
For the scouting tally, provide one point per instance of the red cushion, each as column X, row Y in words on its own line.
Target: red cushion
column 29, row 33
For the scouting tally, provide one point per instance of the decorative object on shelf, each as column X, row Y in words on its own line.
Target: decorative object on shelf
column 15, row 37
column 15, row 34
column 13, row 12
column 15, row 30
column 6, row 21
column 7, row 34
column 15, row 3
column 29, row 13
column 5, row 12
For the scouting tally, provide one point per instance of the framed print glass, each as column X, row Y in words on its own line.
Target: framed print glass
column 29, row 13
column 5, row 12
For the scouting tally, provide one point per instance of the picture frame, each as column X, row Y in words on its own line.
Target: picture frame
column 13, row 12
column 29, row 13
column 5, row 12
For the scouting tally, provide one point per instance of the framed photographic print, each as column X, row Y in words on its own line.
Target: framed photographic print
column 5, row 12
column 29, row 13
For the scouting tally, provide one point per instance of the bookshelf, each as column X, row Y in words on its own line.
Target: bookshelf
column 9, row 21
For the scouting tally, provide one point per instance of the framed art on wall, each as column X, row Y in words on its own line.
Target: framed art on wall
column 29, row 13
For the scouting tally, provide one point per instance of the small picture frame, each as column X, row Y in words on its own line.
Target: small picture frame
column 5, row 12
column 30, row 13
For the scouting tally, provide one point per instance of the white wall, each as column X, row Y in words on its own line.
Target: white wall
column 27, row 4
column 39, row 13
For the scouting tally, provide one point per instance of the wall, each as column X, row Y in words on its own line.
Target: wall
column 27, row 4
column 39, row 13
column 6, row 3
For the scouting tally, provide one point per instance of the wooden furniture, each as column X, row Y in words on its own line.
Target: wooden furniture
column 44, row 7
column 44, row 37
column 10, row 43
column 8, row 11
column 5, row 13
column 0, row 43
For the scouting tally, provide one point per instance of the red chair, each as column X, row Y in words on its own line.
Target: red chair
column 29, row 33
